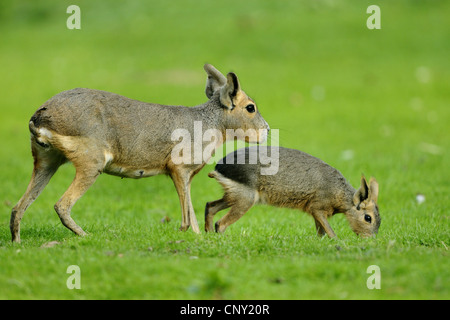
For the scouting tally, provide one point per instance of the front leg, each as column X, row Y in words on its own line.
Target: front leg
column 319, row 229
column 182, row 181
column 322, row 224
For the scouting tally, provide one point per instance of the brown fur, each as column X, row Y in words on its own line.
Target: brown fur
column 102, row 132
column 302, row 182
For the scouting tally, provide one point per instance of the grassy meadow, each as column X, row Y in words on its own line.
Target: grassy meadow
column 365, row 101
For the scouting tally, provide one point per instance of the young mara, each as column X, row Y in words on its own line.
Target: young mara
column 302, row 182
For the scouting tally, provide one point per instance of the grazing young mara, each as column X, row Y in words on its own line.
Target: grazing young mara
column 302, row 182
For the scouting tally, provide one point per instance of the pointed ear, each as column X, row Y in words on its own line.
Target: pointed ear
column 215, row 80
column 229, row 91
column 362, row 193
column 373, row 190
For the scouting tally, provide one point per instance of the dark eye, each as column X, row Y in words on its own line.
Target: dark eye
column 368, row 218
column 250, row 108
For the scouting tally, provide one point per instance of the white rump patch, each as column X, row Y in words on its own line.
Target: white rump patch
column 45, row 133
column 108, row 157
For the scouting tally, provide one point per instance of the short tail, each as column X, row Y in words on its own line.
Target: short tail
column 33, row 129
column 212, row 174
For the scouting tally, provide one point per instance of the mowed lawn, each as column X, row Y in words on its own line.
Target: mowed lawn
column 365, row 101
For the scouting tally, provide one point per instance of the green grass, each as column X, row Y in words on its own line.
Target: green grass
column 365, row 101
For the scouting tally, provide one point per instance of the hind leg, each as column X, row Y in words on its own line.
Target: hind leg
column 84, row 178
column 211, row 209
column 46, row 162
column 238, row 209
column 88, row 158
column 242, row 199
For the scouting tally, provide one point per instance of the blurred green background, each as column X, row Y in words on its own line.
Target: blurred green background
column 365, row 101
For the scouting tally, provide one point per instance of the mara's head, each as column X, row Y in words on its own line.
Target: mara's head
column 364, row 217
column 242, row 119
